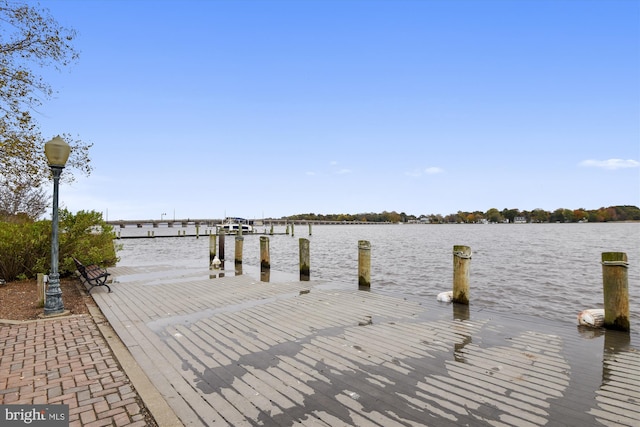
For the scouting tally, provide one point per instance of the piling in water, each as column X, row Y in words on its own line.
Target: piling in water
column 461, row 263
column 615, row 282
column 238, row 254
column 265, row 258
column 221, row 247
column 212, row 248
column 364, row 264
column 305, row 271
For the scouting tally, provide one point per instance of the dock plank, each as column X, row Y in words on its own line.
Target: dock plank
column 236, row 351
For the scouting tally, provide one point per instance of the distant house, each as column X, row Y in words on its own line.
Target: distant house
column 520, row 220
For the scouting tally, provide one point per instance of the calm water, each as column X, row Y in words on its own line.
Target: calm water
column 545, row 270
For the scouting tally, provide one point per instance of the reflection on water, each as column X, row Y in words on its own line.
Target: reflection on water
column 551, row 271
column 589, row 332
column 615, row 344
column 460, row 311
column 620, row 367
column 265, row 275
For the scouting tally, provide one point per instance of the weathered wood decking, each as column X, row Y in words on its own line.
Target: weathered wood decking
column 237, row 351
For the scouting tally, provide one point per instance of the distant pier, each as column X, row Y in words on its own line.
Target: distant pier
column 155, row 223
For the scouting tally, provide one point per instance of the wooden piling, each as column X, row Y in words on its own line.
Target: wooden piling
column 271, row 232
column 364, row 264
column 265, row 258
column 221, row 247
column 461, row 264
column 615, row 283
column 212, row 248
column 197, row 231
column 238, row 254
column 305, row 272
column 309, row 229
column 40, row 290
column 292, row 232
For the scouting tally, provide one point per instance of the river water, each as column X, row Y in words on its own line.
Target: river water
column 551, row 271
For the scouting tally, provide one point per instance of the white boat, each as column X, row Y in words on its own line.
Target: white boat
column 232, row 225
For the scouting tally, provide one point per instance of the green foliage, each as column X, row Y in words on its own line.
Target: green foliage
column 612, row 213
column 87, row 237
column 25, row 248
column 385, row 216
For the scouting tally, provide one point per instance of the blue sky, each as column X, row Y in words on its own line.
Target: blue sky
column 271, row 108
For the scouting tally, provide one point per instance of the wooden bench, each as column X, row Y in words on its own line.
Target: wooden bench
column 93, row 274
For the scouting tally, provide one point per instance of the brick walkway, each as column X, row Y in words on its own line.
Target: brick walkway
column 68, row 361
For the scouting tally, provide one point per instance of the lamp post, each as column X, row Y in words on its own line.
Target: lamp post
column 57, row 152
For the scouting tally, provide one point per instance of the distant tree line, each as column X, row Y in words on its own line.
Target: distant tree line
column 493, row 215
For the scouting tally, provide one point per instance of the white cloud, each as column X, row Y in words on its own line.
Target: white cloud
column 611, row 164
column 343, row 171
column 310, row 173
column 433, row 170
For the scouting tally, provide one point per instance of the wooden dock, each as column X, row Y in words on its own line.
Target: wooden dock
column 237, row 351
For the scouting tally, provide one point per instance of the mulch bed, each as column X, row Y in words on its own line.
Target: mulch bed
column 19, row 300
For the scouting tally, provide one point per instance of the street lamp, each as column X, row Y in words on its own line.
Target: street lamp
column 57, row 152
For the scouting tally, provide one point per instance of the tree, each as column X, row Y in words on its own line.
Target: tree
column 579, row 214
column 21, row 200
column 568, row 215
column 494, row 215
column 29, row 38
column 539, row 215
column 510, row 214
column 557, row 215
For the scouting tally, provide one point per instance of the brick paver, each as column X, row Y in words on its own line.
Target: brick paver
column 67, row 361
